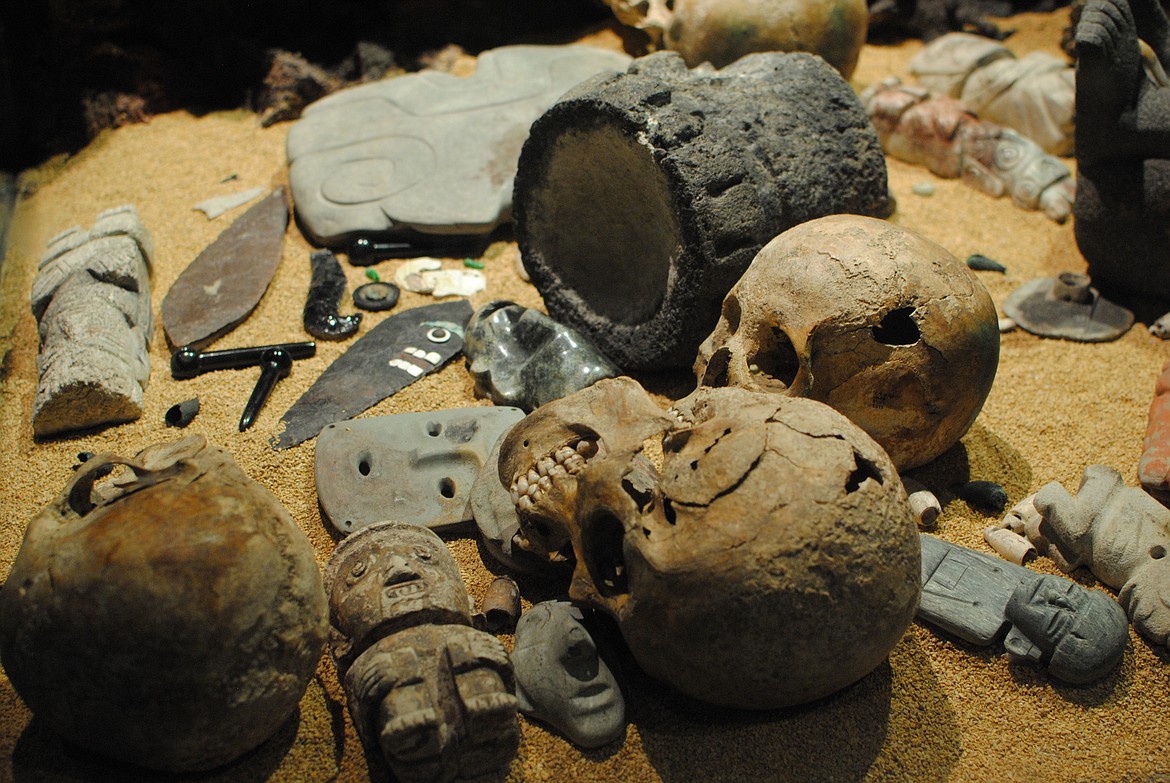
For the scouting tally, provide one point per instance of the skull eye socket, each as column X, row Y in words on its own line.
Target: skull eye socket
column 603, row 536
column 774, row 363
column 732, row 312
column 716, row 372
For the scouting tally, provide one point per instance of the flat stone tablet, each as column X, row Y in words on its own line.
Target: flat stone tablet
column 410, row 467
column 428, row 152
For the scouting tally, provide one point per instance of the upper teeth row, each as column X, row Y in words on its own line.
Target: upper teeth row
column 527, row 488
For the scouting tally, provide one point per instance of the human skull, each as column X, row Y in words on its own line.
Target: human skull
column 722, row 31
column 874, row 320
column 770, row 559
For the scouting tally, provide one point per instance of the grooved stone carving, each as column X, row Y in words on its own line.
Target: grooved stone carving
column 91, row 299
column 642, row 197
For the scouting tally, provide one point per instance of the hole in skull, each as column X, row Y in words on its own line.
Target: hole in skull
column 636, row 487
column 897, row 328
column 364, row 465
column 603, row 535
column 716, row 372
column 775, row 363
column 1157, row 552
column 668, row 511
column 864, row 470
column 447, row 488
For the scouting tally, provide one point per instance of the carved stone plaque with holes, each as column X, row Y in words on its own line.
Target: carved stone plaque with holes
column 406, row 467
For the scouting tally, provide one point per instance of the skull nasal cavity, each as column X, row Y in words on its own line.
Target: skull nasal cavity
column 602, row 540
column 897, row 328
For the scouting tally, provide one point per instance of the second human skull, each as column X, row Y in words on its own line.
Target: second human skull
column 759, row 554
column 874, row 320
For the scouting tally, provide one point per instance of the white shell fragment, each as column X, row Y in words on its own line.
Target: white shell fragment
column 409, row 276
column 426, row 276
column 923, row 504
column 217, row 205
column 1009, row 545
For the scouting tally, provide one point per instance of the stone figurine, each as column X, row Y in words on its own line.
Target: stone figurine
column 642, row 197
column 1033, row 95
column 431, row 695
column 944, row 135
column 872, row 319
column 519, row 356
column 91, row 299
column 1154, row 465
column 427, row 154
column 770, row 559
column 1078, row 634
column 562, row 681
column 1122, row 535
column 170, row 617
column 1122, row 213
column 721, row 31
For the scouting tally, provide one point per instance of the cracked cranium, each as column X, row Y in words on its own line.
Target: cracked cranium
column 876, row 321
column 757, row 551
column 722, row 31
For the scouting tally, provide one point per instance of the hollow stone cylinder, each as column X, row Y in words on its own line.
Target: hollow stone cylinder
column 642, row 197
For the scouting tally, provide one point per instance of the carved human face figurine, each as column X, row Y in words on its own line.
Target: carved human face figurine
column 1081, row 633
column 876, row 321
column 390, row 576
column 769, row 559
column 562, row 680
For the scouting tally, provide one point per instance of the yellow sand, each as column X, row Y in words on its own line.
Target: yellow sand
column 936, row 711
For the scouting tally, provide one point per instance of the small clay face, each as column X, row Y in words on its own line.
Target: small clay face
column 390, row 576
column 1047, row 610
column 561, row 679
column 876, row 321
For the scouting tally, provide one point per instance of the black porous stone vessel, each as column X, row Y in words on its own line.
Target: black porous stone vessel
column 642, row 197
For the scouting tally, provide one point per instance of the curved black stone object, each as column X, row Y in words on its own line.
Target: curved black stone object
column 322, row 319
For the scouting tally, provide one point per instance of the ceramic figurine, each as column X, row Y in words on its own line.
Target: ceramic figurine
column 872, row 319
column 426, row 691
column 1123, row 147
column 1154, row 465
column 1122, row 535
column 772, row 560
column 561, row 680
column 1078, row 634
column 519, row 356
column 91, row 299
column 944, row 135
column 721, row 31
column 1068, row 307
column 170, row 617
column 1033, row 94
column 641, row 197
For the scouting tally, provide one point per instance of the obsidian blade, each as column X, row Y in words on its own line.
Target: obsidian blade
column 395, row 353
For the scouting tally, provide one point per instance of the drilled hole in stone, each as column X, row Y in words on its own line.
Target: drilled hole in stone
column 447, row 488
column 434, row 428
column 897, row 328
column 603, row 536
column 364, row 466
column 1157, row 552
column 774, row 363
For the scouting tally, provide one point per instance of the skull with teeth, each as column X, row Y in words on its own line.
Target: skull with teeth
column 757, row 554
column 879, row 322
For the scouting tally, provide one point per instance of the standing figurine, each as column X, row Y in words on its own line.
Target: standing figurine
column 433, row 694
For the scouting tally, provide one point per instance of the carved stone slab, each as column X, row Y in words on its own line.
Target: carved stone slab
column 428, row 152
column 91, row 299
column 225, row 282
column 411, row 467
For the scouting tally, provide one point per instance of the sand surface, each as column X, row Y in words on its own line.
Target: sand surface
column 938, row 710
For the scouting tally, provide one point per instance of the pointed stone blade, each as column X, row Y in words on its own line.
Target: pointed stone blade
column 388, row 358
column 223, row 285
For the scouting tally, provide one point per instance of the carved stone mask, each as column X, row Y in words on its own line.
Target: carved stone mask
column 722, row 31
column 387, row 577
column 769, row 560
column 878, row 322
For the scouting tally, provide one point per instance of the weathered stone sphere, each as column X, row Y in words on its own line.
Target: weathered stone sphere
column 171, row 619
